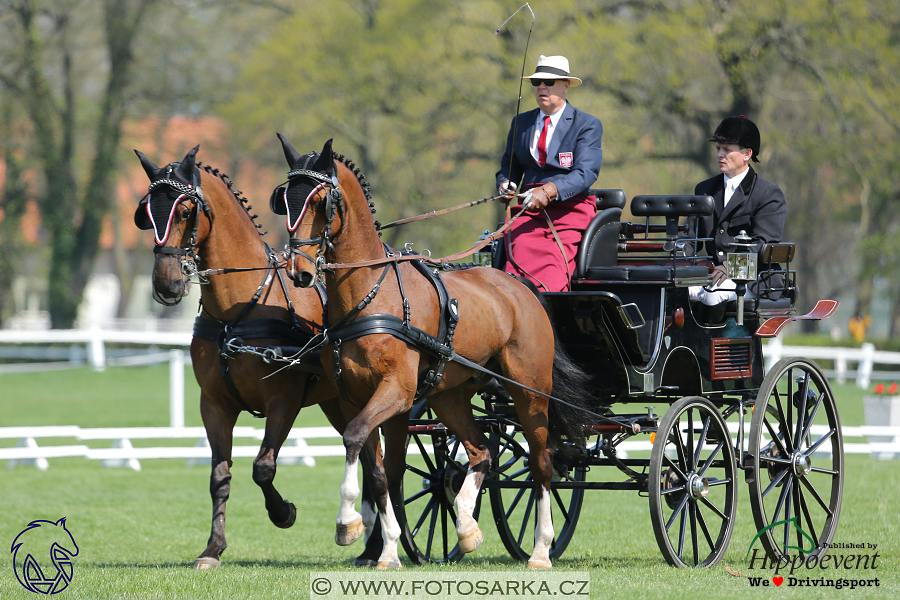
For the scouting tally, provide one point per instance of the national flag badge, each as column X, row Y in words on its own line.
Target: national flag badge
column 565, row 159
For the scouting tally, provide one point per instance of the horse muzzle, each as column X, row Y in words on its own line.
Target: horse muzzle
column 169, row 283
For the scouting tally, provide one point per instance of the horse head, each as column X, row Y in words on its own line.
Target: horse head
column 171, row 209
column 312, row 201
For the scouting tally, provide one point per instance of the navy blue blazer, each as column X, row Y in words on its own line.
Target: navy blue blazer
column 573, row 158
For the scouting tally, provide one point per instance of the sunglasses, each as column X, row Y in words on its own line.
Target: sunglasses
column 547, row 82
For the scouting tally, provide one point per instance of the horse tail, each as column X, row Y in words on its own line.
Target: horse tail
column 571, row 384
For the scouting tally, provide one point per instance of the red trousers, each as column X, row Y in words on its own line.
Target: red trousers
column 532, row 251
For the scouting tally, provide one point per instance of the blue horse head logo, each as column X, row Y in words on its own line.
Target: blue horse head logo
column 42, row 556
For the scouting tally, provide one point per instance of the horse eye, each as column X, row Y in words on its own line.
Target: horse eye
column 320, row 205
column 185, row 213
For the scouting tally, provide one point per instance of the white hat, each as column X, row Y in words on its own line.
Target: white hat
column 554, row 67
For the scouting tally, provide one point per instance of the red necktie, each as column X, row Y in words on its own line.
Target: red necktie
column 542, row 143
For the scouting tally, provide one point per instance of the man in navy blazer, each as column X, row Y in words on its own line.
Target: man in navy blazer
column 555, row 152
column 744, row 202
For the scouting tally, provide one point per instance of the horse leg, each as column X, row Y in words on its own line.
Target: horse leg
column 219, row 425
column 534, row 423
column 372, row 537
column 454, row 409
column 279, row 420
column 390, row 527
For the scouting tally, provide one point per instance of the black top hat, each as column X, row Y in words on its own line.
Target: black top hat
column 738, row 130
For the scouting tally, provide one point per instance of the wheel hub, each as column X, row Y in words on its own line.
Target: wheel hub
column 801, row 464
column 698, row 486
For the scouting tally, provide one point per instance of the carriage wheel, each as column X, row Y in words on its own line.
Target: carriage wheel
column 436, row 466
column 693, row 497
column 514, row 498
column 798, row 460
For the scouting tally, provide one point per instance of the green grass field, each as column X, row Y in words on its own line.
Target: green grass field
column 138, row 532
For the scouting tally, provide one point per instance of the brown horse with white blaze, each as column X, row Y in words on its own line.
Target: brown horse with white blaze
column 379, row 311
column 200, row 224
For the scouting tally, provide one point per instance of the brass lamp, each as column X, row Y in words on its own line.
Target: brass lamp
column 740, row 266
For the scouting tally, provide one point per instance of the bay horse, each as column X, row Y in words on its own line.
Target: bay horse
column 200, row 223
column 398, row 334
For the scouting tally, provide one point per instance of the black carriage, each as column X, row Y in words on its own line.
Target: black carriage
column 628, row 321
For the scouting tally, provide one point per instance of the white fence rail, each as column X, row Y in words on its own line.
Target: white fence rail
column 123, row 452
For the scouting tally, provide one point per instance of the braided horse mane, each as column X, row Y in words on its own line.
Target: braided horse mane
column 238, row 194
column 363, row 182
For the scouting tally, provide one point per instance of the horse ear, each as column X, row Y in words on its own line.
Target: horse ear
column 292, row 156
column 186, row 168
column 325, row 162
column 149, row 168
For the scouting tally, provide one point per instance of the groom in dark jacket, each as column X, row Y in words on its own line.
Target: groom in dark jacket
column 744, row 202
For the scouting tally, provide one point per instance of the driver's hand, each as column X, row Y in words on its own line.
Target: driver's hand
column 542, row 196
column 508, row 191
column 719, row 274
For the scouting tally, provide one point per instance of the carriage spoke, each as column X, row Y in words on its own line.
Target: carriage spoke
column 714, row 508
column 561, row 505
column 701, row 441
column 812, row 416
column 822, row 470
column 526, row 517
column 702, row 521
column 819, row 442
column 815, row 494
column 430, row 541
column 775, row 459
column 416, row 496
column 674, row 467
column 679, row 446
column 681, row 533
column 424, row 453
column 782, row 424
column 428, row 509
column 789, row 488
column 694, row 539
column 444, row 530
column 805, row 508
column 801, row 411
column 690, row 441
column 776, row 439
column 420, row 472
column 781, row 498
column 515, row 502
column 677, row 511
column 775, row 482
column 715, row 482
column 710, row 459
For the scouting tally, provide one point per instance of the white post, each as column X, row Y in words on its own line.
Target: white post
column 840, row 365
column 176, row 388
column 772, row 352
column 97, row 351
column 864, row 372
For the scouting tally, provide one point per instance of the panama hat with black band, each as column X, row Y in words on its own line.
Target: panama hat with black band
column 554, row 67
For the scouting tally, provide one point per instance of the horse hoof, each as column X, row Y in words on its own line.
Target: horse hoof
column 347, row 534
column 539, row 564
column 291, row 518
column 388, row 565
column 364, row 562
column 470, row 540
column 206, row 562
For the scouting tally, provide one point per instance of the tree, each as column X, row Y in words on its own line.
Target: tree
column 43, row 68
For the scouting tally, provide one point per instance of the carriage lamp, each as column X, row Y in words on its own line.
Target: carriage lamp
column 485, row 256
column 740, row 266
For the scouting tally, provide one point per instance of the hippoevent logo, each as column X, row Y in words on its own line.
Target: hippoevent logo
column 42, row 556
column 814, row 570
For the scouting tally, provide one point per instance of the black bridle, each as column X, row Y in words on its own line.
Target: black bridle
column 188, row 254
column 334, row 204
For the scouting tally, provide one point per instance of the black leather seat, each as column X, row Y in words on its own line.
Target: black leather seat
column 596, row 257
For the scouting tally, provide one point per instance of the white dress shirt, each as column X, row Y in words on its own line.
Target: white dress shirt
column 731, row 184
column 554, row 119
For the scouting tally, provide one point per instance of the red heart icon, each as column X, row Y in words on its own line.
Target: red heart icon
column 778, row 580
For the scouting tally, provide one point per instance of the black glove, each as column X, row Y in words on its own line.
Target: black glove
column 719, row 274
